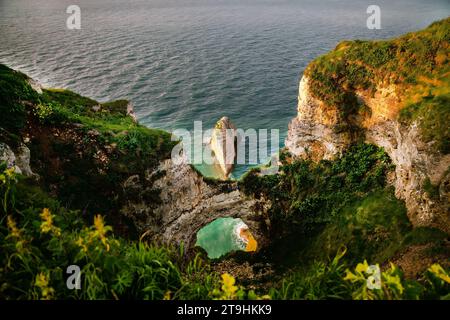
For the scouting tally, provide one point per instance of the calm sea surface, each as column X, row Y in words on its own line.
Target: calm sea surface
column 180, row 61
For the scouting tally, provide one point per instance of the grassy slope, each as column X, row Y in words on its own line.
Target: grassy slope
column 83, row 154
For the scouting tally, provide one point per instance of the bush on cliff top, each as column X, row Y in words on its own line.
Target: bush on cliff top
column 15, row 92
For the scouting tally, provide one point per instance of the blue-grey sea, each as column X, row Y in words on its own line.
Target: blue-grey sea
column 185, row 60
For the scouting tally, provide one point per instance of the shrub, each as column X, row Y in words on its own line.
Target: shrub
column 15, row 91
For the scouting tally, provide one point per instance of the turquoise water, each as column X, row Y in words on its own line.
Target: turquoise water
column 219, row 237
column 186, row 60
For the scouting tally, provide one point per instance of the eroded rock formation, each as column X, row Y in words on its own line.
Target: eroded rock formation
column 315, row 134
column 187, row 202
column 223, row 144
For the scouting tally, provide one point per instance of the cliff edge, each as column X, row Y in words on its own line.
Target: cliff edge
column 395, row 94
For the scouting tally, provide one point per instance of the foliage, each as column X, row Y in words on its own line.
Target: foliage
column 15, row 92
column 322, row 281
column 389, row 284
column 316, row 207
column 308, row 194
column 435, row 283
column 36, row 249
column 37, row 245
column 333, row 280
column 95, row 146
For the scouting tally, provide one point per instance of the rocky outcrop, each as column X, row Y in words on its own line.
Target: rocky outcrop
column 315, row 134
column 416, row 165
column 312, row 134
column 223, row 144
column 7, row 156
column 186, row 203
column 35, row 85
column 19, row 159
column 130, row 112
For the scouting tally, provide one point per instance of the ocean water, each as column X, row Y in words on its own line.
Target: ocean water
column 222, row 236
column 194, row 60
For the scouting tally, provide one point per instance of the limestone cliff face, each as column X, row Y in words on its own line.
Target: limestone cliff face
column 314, row 134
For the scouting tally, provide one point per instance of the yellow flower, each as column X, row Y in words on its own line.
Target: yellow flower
column 350, row 276
column 394, row 281
column 99, row 225
column 10, row 172
column 47, row 223
column 228, row 287
column 101, row 230
column 81, row 243
column 167, row 295
column 362, row 267
column 439, row 272
column 15, row 232
column 42, row 282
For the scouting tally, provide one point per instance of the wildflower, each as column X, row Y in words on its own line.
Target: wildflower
column 47, row 223
column 42, row 282
column 101, row 230
column 228, row 287
column 358, row 275
column 362, row 267
column 439, row 272
column 167, row 295
column 80, row 242
column 393, row 280
column 10, row 172
column 350, row 276
column 100, row 225
column 15, row 232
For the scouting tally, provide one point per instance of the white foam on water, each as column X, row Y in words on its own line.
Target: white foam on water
column 240, row 241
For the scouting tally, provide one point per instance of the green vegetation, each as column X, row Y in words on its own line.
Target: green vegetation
column 15, row 91
column 318, row 207
column 94, row 146
column 59, row 108
column 39, row 239
column 334, row 202
column 37, row 245
column 109, row 119
column 333, row 280
column 416, row 64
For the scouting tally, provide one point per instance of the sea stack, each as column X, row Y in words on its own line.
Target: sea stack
column 223, row 145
